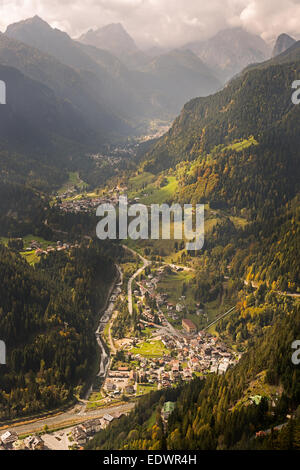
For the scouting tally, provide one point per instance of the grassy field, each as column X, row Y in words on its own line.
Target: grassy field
column 161, row 195
column 143, row 389
column 27, row 240
column 214, row 309
column 258, row 386
column 30, row 256
column 162, row 248
column 144, row 188
column 173, row 285
column 74, row 180
column 44, row 243
column 104, row 404
column 137, row 183
column 152, row 420
column 242, row 144
column 171, row 250
column 150, row 349
column 105, row 335
column 96, row 396
column 95, row 400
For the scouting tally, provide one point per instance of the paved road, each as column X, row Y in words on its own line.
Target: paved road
column 134, row 276
column 276, row 428
column 68, row 418
column 110, row 338
column 255, row 285
column 287, row 294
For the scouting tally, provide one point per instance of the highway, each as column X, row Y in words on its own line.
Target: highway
column 65, row 419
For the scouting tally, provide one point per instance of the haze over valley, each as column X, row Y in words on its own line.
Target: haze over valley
column 147, row 344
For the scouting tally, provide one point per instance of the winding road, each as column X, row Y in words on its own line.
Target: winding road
column 134, row 276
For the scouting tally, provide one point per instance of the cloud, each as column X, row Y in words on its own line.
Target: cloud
column 164, row 22
column 269, row 18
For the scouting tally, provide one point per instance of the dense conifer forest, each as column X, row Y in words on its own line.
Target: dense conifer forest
column 48, row 315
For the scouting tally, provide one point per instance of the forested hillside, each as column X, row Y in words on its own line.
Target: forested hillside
column 239, row 146
column 47, row 318
column 238, row 152
column 264, row 251
column 42, row 136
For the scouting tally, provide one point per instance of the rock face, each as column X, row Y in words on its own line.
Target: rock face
column 284, row 42
column 230, row 51
column 110, row 91
column 112, row 38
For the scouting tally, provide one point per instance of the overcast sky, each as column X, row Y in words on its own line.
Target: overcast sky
column 165, row 22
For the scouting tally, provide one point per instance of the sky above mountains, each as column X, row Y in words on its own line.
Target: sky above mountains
column 166, row 23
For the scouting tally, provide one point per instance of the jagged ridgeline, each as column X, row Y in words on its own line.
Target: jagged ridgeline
column 241, row 145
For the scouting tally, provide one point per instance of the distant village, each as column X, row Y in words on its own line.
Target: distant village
column 69, row 202
column 58, row 246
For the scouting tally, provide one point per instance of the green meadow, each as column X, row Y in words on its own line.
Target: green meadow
column 150, row 349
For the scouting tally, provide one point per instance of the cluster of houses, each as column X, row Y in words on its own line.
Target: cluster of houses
column 190, row 352
column 149, row 285
column 83, row 432
column 203, row 353
column 39, row 251
column 120, row 381
column 200, row 354
column 99, row 158
column 85, row 204
column 10, row 441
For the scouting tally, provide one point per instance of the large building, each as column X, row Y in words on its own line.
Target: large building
column 8, row 438
column 189, row 326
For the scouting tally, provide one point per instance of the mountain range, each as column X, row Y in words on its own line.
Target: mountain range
column 225, row 53
column 128, row 93
column 113, row 38
column 231, row 50
column 99, row 91
column 113, row 83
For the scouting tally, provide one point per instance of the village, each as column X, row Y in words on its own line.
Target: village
column 161, row 357
column 164, row 356
column 70, row 202
column 187, row 356
column 165, row 349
